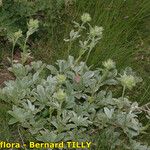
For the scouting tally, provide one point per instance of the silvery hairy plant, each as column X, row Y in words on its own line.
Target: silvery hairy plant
column 71, row 102
column 32, row 27
column 14, row 37
column 94, row 34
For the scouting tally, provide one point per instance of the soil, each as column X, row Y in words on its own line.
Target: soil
column 5, row 75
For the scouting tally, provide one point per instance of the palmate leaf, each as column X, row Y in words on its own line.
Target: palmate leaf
column 40, row 94
column 47, row 136
column 79, row 135
column 80, row 120
column 36, row 126
column 61, row 123
column 52, row 69
column 139, row 146
column 28, row 106
column 19, row 70
column 108, row 112
column 19, row 115
column 36, row 76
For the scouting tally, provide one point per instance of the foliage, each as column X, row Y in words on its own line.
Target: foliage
column 32, row 27
column 54, row 17
column 15, row 14
column 94, row 35
column 70, row 101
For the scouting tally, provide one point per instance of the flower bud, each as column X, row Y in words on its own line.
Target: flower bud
column 109, row 64
column 96, row 31
column 60, row 95
column 128, row 81
column 33, row 24
column 61, row 78
column 18, row 34
column 86, row 17
column 90, row 99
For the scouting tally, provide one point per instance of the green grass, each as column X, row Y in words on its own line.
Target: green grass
column 5, row 132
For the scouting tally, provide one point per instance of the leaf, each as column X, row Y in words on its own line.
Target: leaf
column 52, row 69
column 80, row 120
column 31, row 107
column 19, row 114
column 41, row 91
column 12, row 121
column 111, row 82
column 47, row 136
column 36, row 76
column 108, row 112
column 88, row 75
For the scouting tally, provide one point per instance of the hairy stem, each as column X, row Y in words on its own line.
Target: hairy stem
column 123, row 92
column 69, row 47
column 25, row 45
column 21, row 138
column 89, row 52
column 12, row 53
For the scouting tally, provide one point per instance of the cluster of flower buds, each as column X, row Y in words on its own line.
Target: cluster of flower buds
column 32, row 26
column 61, row 78
column 86, row 18
column 128, row 81
column 18, row 34
column 60, row 95
column 15, row 36
column 109, row 64
column 96, row 31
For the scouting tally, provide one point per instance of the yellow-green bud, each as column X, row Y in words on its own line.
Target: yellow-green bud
column 18, row 34
column 90, row 99
column 61, row 78
column 96, row 31
column 128, row 81
column 60, row 95
column 86, row 17
column 15, row 36
column 33, row 24
column 109, row 64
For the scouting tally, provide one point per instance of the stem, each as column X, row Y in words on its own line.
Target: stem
column 123, row 92
column 70, row 43
column 77, row 60
column 101, row 80
column 23, row 58
column 25, row 45
column 89, row 52
column 12, row 53
column 69, row 47
column 80, row 29
column 21, row 138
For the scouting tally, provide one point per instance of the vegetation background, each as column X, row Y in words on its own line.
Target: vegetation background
column 126, row 37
